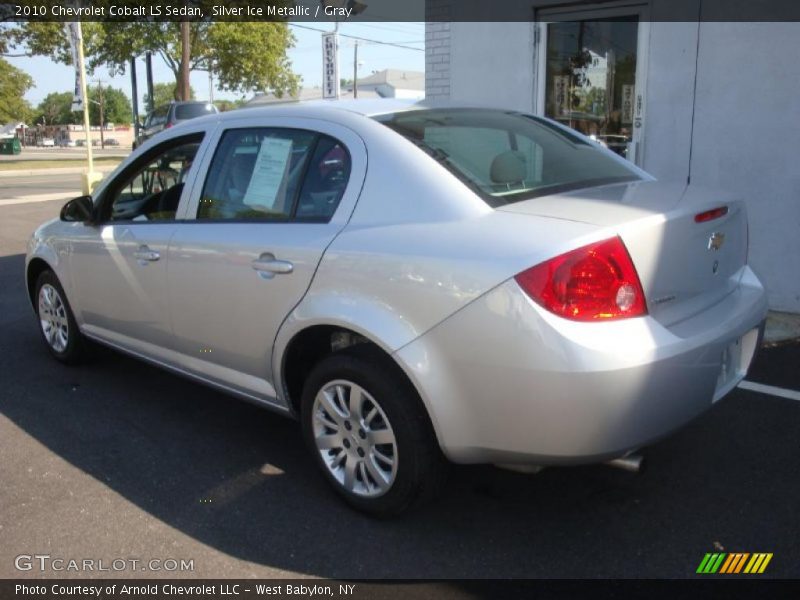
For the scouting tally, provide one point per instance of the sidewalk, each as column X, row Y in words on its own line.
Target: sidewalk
column 781, row 327
column 52, row 171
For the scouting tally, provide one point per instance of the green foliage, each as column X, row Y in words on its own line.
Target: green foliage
column 245, row 57
column 14, row 83
column 226, row 105
column 56, row 109
column 164, row 93
column 249, row 57
column 116, row 106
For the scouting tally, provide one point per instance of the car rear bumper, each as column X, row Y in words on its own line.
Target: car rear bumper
column 507, row 382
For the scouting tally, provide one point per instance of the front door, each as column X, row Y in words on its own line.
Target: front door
column 119, row 263
column 591, row 75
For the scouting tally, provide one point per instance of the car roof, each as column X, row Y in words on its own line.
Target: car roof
column 330, row 108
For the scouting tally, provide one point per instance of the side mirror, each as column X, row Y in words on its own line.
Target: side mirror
column 78, row 209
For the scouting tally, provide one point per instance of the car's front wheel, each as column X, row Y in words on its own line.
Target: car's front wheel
column 56, row 322
column 370, row 434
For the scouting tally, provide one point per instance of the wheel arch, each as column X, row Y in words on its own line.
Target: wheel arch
column 36, row 266
column 308, row 345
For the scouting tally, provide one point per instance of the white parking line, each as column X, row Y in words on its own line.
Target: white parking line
column 770, row 389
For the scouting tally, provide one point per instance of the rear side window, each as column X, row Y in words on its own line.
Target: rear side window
column 190, row 111
column 506, row 156
column 275, row 175
column 159, row 116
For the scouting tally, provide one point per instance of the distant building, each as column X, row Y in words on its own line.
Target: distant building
column 389, row 83
column 304, row 95
column 394, row 83
column 12, row 130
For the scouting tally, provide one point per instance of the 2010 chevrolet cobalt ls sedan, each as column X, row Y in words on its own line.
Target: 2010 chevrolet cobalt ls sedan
column 414, row 284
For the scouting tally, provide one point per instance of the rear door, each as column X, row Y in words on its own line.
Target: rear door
column 274, row 195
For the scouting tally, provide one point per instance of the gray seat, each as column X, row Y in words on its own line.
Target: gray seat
column 508, row 168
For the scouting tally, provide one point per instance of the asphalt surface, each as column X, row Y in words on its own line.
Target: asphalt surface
column 117, row 459
column 15, row 186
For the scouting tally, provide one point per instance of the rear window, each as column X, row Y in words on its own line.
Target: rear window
column 508, row 156
column 190, row 111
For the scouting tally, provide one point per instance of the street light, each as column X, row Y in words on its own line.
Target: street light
column 100, row 103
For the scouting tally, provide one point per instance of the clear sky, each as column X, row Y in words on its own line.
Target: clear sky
column 306, row 59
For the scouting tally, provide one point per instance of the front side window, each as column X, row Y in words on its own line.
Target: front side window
column 507, row 156
column 152, row 192
column 275, row 174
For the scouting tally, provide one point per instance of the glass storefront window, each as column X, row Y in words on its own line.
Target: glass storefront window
column 591, row 78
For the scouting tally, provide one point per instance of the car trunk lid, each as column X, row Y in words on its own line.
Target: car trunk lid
column 685, row 266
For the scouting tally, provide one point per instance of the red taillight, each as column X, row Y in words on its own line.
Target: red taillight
column 710, row 215
column 597, row 282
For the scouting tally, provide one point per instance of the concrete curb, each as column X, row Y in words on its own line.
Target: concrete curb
column 52, row 171
column 781, row 327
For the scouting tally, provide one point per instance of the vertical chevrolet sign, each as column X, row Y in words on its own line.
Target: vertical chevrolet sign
column 330, row 65
column 74, row 36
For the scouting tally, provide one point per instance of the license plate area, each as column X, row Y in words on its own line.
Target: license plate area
column 734, row 362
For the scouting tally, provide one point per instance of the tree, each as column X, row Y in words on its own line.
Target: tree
column 56, row 109
column 244, row 57
column 164, row 93
column 14, row 83
column 226, row 105
column 116, row 106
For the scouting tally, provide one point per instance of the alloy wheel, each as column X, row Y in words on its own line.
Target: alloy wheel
column 53, row 318
column 354, row 438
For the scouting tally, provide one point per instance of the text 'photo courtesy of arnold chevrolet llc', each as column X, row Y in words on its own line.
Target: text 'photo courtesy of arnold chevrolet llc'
column 385, row 271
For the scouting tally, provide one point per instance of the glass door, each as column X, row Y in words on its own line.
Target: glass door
column 591, row 78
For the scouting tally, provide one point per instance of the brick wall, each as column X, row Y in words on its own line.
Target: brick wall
column 437, row 60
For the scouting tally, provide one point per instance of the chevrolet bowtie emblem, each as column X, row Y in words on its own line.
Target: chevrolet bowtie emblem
column 716, row 240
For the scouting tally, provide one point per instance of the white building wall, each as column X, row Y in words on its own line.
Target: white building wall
column 738, row 131
column 746, row 133
column 669, row 93
column 500, row 58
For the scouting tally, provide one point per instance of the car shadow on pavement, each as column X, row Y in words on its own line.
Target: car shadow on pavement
column 238, row 479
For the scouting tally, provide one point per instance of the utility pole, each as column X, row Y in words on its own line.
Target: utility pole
column 135, row 94
column 151, row 102
column 99, row 83
column 185, row 51
column 90, row 178
column 355, row 70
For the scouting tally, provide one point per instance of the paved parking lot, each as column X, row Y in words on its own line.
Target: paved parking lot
column 117, row 459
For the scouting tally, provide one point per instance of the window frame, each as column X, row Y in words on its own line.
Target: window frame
column 218, row 142
column 105, row 201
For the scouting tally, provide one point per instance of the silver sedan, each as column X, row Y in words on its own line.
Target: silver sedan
column 416, row 284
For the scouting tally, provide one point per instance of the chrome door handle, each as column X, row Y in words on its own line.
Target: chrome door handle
column 268, row 266
column 145, row 255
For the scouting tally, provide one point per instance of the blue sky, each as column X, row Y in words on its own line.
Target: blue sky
column 306, row 59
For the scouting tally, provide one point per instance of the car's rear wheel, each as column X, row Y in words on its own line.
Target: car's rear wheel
column 370, row 434
column 56, row 321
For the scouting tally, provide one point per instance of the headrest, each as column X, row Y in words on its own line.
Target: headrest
column 508, row 167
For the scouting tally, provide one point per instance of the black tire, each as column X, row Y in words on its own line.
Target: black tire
column 421, row 467
column 74, row 350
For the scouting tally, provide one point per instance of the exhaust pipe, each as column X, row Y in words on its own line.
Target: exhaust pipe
column 633, row 463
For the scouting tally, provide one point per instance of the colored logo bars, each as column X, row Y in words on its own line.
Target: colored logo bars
column 736, row 562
